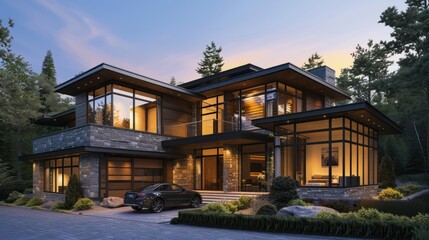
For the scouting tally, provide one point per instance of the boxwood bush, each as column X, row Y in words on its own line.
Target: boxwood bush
column 216, row 207
column 22, row 201
column 13, row 196
column 408, row 190
column 16, row 185
column 267, row 209
column 34, row 202
column 83, row 204
column 390, row 194
column 245, row 202
column 327, row 227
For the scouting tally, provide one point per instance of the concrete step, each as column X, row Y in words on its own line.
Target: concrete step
column 219, row 196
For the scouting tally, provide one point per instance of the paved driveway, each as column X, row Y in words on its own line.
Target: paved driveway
column 25, row 223
column 127, row 213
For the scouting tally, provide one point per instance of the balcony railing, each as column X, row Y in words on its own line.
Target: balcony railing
column 200, row 128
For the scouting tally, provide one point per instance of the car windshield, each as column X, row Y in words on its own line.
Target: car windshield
column 151, row 187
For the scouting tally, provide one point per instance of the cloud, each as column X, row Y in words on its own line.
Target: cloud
column 87, row 42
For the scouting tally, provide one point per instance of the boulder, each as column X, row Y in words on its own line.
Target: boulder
column 303, row 211
column 112, row 202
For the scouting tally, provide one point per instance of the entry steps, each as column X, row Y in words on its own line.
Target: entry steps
column 220, row 196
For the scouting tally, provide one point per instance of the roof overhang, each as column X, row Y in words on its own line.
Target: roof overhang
column 104, row 73
column 80, row 150
column 361, row 112
column 217, row 140
column 288, row 73
column 58, row 120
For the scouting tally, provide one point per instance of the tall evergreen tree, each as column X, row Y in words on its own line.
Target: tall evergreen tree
column 313, row 62
column 365, row 78
column 409, row 89
column 173, row 81
column 47, row 81
column 212, row 62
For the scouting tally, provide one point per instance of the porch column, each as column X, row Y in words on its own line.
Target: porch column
column 230, row 168
column 277, row 157
column 38, row 179
column 183, row 171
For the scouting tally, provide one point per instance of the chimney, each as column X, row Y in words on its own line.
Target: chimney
column 324, row 72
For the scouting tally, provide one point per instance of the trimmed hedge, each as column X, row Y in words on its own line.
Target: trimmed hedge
column 327, row 227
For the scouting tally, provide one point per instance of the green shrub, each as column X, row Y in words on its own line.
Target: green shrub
column 386, row 173
column 28, row 191
column 422, row 234
column 175, row 220
column 13, row 196
column 267, row 209
column 245, row 202
column 408, row 190
column 232, row 206
column 22, row 200
column 283, row 190
column 73, row 193
column 421, row 218
column 58, row 206
column 390, row 194
column 34, row 202
column 83, row 204
column 16, row 185
column 327, row 215
column 297, row 202
column 216, row 207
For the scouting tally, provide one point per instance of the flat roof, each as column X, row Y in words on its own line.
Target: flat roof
column 361, row 112
column 105, row 73
column 291, row 74
column 57, row 120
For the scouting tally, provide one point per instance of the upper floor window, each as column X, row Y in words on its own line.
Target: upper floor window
column 124, row 107
column 212, row 115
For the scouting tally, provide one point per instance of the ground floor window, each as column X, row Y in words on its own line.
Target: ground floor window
column 335, row 152
column 254, row 167
column 58, row 172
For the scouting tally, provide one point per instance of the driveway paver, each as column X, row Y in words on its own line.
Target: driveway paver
column 25, row 223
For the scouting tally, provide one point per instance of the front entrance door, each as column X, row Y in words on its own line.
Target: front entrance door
column 211, row 164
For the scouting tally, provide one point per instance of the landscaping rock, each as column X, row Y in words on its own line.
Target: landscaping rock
column 112, row 202
column 303, row 211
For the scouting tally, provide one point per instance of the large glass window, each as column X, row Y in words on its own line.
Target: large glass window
column 58, row 172
column 212, row 115
column 125, row 108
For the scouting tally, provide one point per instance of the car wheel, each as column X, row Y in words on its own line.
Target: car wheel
column 195, row 201
column 157, row 205
column 137, row 208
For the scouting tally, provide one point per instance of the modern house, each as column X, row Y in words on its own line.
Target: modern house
column 233, row 131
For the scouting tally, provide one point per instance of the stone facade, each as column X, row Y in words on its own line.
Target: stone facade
column 38, row 179
column 230, row 168
column 183, row 171
column 99, row 136
column 364, row 192
column 89, row 174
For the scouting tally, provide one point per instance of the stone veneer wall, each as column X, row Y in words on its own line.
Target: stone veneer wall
column 99, row 136
column 38, row 179
column 183, row 171
column 89, row 174
column 230, row 168
column 364, row 192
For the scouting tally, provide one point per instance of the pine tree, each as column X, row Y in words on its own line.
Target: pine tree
column 365, row 78
column 409, row 89
column 313, row 62
column 386, row 173
column 47, row 81
column 212, row 62
column 173, row 81
column 73, row 193
column 5, row 174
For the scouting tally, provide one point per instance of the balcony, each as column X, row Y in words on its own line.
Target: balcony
column 98, row 136
column 200, row 128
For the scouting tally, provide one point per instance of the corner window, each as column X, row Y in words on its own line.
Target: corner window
column 123, row 107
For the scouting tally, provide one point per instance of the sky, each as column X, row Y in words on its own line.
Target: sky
column 166, row 38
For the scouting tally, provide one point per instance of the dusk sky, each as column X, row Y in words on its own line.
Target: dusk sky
column 161, row 39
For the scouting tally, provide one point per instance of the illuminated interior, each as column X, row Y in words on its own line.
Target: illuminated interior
column 58, row 172
column 309, row 154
